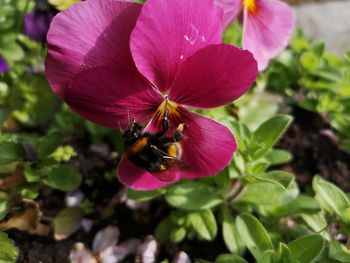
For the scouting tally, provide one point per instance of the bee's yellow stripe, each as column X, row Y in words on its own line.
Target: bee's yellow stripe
column 137, row 146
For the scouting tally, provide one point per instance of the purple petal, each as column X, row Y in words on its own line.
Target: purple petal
column 36, row 24
column 266, row 31
column 118, row 253
column 105, row 238
column 214, row 76
column 208, row 146
column 81, row 255
column 3, row 65
column 182, row 257
column 89, row 34
column 231, row 10
column 147, row 251
column 112, row 97
column 168, row 31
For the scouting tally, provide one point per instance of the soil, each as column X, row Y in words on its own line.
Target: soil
column 309, row 139
column 315, row 150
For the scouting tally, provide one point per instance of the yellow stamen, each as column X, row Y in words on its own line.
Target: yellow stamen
column 173, row 109
column 252, row 6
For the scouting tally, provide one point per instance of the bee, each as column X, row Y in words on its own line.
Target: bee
column 154, row 152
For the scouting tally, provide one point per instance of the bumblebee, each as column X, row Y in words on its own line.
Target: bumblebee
column 154, row 152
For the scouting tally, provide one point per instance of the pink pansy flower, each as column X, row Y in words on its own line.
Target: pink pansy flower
column 267, row 26
column 115, row 61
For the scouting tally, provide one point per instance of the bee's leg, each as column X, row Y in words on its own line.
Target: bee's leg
column 165, row 123
column 179, row 132
column 177, row 136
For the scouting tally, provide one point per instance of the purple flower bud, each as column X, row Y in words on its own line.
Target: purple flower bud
column 3, row 65
column 36, row 24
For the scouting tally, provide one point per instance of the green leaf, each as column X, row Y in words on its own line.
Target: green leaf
column 4, row 205
column 278, row 156
column 255, row 193
column 163, row 230
column 317, row 222
column 243, row 135
column 338, row 251
column 280, row 178
column 67, row 221
column 229, row 258
column 8, row 252
column 302, row 204
column 10, row 152
column 309, row 60
column 230, row 233
column 145, row 195
column 283, row 255
column 177, row 234
column 331, row 197
column 64, row 177
column 253, row 234
column 204, row 223
column 49, row 143
column 267, row 257
column 269, row 132
column 31, row 175
column 192, row 196
column 306, row 249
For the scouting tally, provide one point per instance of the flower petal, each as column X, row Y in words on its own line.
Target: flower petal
column 266, row 32
column 208, row 146
column 231, row 10
column 112, row 97
column 36, row 24
column 89, row 34
column 168, row 31
column 3, row 65
column 214, row 76
column 137, row 178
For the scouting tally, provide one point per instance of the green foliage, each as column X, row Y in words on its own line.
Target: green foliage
column 320, row 82
column 8, row 253
column 63, row 177
column 192, row 196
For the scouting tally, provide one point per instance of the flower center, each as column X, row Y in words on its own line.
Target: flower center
column 169, row 110
column 252, row 6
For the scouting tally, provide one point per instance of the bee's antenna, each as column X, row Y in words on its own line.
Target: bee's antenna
column 128, row 117
column 120, row 127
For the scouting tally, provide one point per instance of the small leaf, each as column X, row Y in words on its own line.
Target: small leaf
column 280, row 178
column 306, row 249
column 255, row 193
column 177, row 234
column 8, row 253
column 145, row 195
column 4, row 205
column 338, row 252
column 67, row 221
column 302, row 204
column 192, row 196
column 278, row 156
column 330, row 196
column 163, row 230
column 229, row 258
column 204, row 223
column 267, row 257
column 230, row 233
column 49, row 143
column 269, row 132
column 10, row 152
column 253, row 234
column 64, row 177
